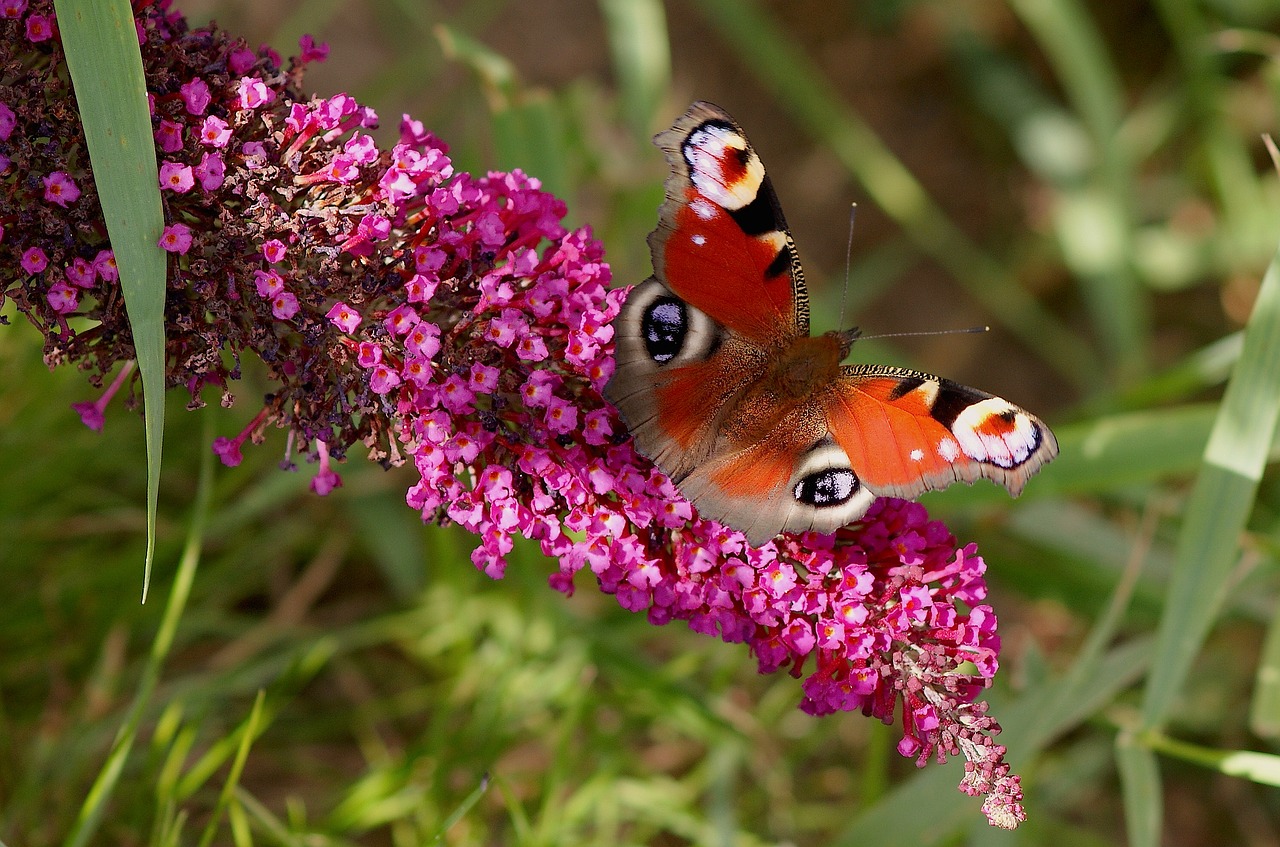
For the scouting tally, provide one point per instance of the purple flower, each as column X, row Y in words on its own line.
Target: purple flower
column 39, row 28
column 195, row 96
column 176, row 238
column 176, row 177
column 34, row 260
column 61, row 189
column 8, row 120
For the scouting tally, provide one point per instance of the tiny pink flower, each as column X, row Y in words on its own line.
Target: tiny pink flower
column 105, row 264
column 401, row 320
column 423, row 340
column 284, row 305
column 311, row 51
column 62, row 298
column 344, row 317
column 12, row 9
column 252, row 93
column 368, row 354
column 382, row 379
column 59, row 188
column 39, row 28
column 81, row 273
column 561, row 416
column 268, row 283
column 93, row 415
column 214, row 132
column 484, row 379
column 8, row 120
column 241, row 59
column 34, row 260
column 169, row 136
column 176, row 238
column 176, row 177
column 211, row 171
column 419, row 288
column 273, row 250
column 195, row 96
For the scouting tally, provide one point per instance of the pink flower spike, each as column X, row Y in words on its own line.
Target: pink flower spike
column 326, row 478
column 34, row 260
column 176, row 238
column 93, row 415
column 176, row 177
column 60, row 188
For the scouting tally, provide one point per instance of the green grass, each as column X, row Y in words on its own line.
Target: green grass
column 326, row 671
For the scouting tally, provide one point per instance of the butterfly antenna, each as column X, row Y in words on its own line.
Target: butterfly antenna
column 848, row 263
column 964, row 331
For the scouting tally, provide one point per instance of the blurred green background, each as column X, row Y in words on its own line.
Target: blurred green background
column 1090, row 179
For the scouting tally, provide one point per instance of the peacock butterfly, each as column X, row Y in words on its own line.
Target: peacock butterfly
column 755, row 421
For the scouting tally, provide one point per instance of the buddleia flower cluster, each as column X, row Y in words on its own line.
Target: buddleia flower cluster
column 449, row 320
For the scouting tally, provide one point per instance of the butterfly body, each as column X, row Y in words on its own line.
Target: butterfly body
column 758, row 423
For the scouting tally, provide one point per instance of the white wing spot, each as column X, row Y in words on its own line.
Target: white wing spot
column 917, row 455
column 699, row 239
column 703, row 209
column 948, row 449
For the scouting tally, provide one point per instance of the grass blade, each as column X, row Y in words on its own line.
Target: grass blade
column 102, row 52
column 637, row 31
column 95, row 803
column 1221, row 502
column 1140, row 784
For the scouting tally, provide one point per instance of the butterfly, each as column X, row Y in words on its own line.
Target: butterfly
column 758, row 423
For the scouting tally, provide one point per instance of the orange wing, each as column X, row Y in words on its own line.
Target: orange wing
column 722, row 243
column 906, row 432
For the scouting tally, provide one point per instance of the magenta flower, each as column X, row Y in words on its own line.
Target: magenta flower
column 12, row 9
column 62, row 298
column 39, row 28
column 176, row 177
column 93, row 415
column 59, row 188
column 195, row 96
column 176, row 238
column 8, row 120
column 34, row 260
column 449, row 320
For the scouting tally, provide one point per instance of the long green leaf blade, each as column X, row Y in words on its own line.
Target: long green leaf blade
column 102, row 52
column 1220, row 503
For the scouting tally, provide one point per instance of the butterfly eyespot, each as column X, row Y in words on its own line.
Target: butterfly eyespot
column 664, row 325
column 832, row 487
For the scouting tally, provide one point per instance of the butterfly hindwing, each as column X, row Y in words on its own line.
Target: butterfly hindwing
column 908, row 432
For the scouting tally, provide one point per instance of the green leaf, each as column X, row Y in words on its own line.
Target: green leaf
column 637, row 31
column 102, row 52
column 1220, row 503
column 1140, row 784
